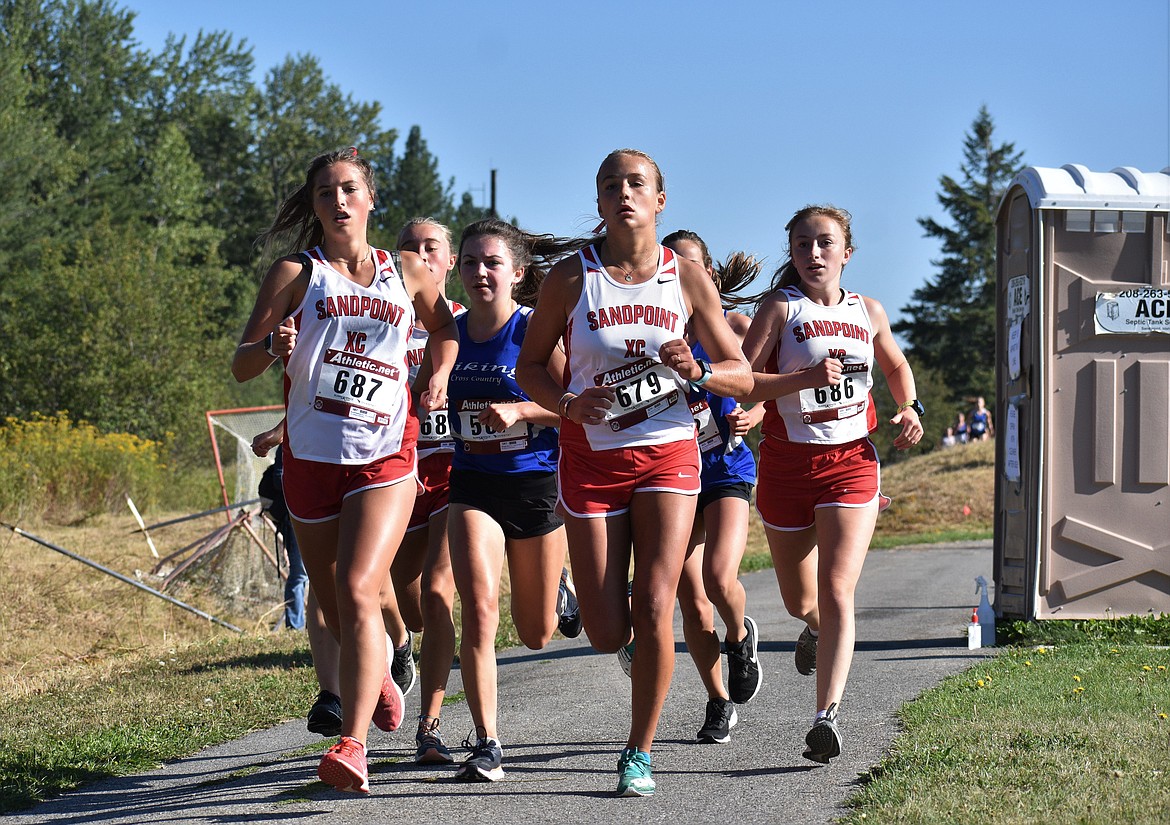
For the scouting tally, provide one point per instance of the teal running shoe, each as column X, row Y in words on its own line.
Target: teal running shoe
column 634, row 777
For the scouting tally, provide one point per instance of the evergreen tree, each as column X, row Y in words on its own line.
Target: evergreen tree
column 413, row 187
column 950, row 322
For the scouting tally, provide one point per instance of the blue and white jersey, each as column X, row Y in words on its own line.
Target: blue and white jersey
column 725, row 459
column 484, row 374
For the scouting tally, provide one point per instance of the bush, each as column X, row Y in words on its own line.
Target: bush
column 62, row 471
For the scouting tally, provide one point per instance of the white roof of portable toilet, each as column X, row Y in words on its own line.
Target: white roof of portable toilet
column 1073, row 186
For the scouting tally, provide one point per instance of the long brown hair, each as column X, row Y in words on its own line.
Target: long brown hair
column 535, row 254
column 787, row 274
column 737, row 271
column 295, row 219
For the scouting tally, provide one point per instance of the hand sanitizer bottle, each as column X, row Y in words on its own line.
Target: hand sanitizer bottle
column 974, row 632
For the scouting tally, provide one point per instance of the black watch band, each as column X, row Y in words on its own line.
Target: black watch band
column 268, row 345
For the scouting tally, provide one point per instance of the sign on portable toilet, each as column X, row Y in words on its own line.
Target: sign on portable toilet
column 1082, row 487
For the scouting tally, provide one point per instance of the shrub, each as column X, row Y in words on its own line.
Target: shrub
column 63, row 471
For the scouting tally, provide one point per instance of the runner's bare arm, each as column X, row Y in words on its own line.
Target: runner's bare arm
column 547, row 326
column 899, row 376
column 434, row 312
column 529, row 410
column 281, row 291
column 730, row 373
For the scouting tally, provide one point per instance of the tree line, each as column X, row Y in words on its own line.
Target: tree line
column 136, row 183
column 135, row 186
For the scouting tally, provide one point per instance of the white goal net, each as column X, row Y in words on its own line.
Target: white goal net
column 231, row 433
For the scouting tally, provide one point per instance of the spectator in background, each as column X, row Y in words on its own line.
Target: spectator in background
column 981, row 426
column 272, row 490
column 962, row 433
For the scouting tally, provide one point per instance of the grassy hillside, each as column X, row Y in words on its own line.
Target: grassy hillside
column 944, row 491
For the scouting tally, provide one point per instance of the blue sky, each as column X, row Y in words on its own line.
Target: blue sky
column 751, row 109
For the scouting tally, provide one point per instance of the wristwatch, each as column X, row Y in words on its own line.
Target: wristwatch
column 915, row 405
column 705, row 373
column 268, row 345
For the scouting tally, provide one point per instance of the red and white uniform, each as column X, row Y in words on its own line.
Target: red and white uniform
column 816, row 451
column 612, row 339
column 434, row 434
column 812, row 333
column 346, row 389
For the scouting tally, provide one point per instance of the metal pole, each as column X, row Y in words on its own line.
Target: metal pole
column 181, row 519
column 119, row 576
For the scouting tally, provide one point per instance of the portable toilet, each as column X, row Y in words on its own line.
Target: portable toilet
column 1082, row 411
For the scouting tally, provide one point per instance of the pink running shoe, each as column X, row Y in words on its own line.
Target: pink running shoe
column 344, row 766
column 391, row 706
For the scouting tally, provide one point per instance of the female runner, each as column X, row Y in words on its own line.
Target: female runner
column 710, row 577
column 812, row 346
column 629, row 469
column 340, row 316
column 503, row 474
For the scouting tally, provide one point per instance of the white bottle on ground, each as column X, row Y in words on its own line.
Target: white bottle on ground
column 974, row 631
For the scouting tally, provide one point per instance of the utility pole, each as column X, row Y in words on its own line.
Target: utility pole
column 495, row 214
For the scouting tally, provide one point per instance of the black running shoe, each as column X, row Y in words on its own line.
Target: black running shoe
column 824, row 740
column 402, row 669
column 429, row 747
column 569, row 622
column 720, row 720
column 484, row 764
column 743, row 665
column 806, row 652
column 325, row 715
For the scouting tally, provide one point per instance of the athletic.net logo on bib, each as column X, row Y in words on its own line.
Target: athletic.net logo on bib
column 354, row 386
column 644, row 389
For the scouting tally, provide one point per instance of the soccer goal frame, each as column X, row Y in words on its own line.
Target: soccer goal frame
column 242, row 424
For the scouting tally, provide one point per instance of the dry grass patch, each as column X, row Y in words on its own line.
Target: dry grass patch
column 59, row 617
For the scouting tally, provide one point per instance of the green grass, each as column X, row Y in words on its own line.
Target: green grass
column 148, row 711
column 1075, row 733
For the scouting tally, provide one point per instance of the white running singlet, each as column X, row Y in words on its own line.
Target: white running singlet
column 612, row 339
column 812, row 333
column 346, row 389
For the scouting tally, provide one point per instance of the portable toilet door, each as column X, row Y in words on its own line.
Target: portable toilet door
column 1082, row 488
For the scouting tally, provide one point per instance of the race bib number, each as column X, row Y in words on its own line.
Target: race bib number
column 434, row 431
column 706, row 431
column 844, row 400
column 357, row 387
column 478, row 437
column 644, row 389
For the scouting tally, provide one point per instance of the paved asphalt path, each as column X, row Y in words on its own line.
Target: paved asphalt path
column 564, row 715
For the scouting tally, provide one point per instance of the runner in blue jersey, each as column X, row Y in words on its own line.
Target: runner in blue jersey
column 503, row 474
column 710, row 578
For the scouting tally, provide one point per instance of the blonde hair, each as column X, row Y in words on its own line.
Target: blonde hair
column 637, row 153
column 444, row 230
